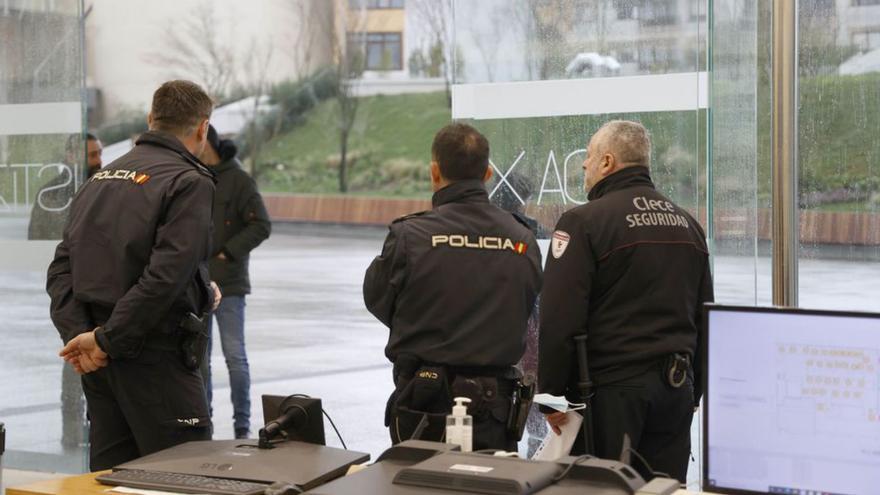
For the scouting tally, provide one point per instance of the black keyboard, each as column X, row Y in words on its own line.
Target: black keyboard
column 182, row 483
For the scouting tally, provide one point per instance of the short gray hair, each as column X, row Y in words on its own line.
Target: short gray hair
column 628, row 141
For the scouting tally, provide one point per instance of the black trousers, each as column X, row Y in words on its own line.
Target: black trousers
column 489, row 431
column 140, row 406
column 656, row 417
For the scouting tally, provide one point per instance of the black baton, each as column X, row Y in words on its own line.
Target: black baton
column 585, row 385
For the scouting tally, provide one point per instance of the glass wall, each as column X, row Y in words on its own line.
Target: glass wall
column 739, row 163
column 343, row 134
column 540, row 77
column 839, row 154
column 41, row 165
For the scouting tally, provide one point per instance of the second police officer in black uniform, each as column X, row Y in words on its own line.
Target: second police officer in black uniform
column 455, row 285
column 129, row 283
column 630, row 269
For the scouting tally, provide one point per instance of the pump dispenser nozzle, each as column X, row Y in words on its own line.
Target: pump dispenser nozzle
column 459, row 425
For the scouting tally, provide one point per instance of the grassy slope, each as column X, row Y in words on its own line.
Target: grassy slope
column 390, row 141
column 392, row 136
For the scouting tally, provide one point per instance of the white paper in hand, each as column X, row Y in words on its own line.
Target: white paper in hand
column 555, row 446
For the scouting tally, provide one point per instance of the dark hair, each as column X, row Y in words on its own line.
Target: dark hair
column 461, row 152
column 74, row 140
column 504, row 194
column 179, row 106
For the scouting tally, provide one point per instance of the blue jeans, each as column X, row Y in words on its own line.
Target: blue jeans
column 230, row 322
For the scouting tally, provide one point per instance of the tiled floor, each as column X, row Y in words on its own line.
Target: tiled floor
column 308, row 332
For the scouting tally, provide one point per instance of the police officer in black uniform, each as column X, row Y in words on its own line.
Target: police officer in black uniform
column 455, row 285
column 630, row 269
column 129, row 282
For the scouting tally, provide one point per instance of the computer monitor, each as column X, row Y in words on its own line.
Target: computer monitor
column 308, row 427
column 792, row 401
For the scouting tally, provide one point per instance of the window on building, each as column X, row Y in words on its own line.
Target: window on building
column 697, row 10
column 866, row 40
column 382, row 51
column 658, row 13
column 625, row 9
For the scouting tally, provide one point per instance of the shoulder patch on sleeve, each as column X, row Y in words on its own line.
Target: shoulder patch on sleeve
column 411, row 215
column 559, row 242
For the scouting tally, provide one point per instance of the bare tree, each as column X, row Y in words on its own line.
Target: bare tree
column 546, row 26
column 193, row 48
column 307, row 45
column 489, row 40
column 339, row 28
column 257, row 83
column 434, row 16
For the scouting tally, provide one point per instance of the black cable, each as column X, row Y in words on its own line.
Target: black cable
column 334, row 428
column 646, row 465
column 304, row 396
column 420, row 428
column 573, row 463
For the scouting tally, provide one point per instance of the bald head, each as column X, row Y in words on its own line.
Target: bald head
column 616, row 145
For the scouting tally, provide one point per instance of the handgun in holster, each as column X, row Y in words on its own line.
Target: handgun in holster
column 676, row 368
column 194, row 340
column 520, row 405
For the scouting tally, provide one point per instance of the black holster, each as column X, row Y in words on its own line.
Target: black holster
column 520, row 405
column 676, row 369
column 193, row 340
column 421, row 393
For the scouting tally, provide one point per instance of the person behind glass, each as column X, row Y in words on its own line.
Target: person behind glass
column 52, row 202
column 48, row 216
column 241, row 223
column 629, row 269
column 130, row 278
column 456, row 285
column 513, row 195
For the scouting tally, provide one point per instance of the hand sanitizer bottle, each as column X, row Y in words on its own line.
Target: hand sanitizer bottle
column 460, row 425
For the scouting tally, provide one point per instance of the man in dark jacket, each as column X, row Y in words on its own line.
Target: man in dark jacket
column 240, row 225
column 48, row 217
column 456, row 285
column 630, row 270
column 129, row 280
column 52, row 202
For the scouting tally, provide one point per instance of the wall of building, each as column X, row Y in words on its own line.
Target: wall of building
column 124, row 44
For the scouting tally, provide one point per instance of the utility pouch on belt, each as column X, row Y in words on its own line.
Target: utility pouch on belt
column 520, row 405
column 676, row 369
column 481, row 390
column 422, row 397
column 194, row 340
column 427, row 391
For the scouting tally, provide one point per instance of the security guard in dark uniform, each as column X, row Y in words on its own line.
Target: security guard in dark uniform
column 630, row 269
column 456, row 285
column 129, row 285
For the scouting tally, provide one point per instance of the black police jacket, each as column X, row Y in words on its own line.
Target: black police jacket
column 241, row 223
column 133, row 256
column 50, row 208
column 456, row 284
column 631, row 270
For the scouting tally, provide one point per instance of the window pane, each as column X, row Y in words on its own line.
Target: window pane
column 559, row 53
column 42, row 157
column 839, row 156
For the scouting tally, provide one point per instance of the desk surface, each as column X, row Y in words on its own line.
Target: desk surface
column 85, row 484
